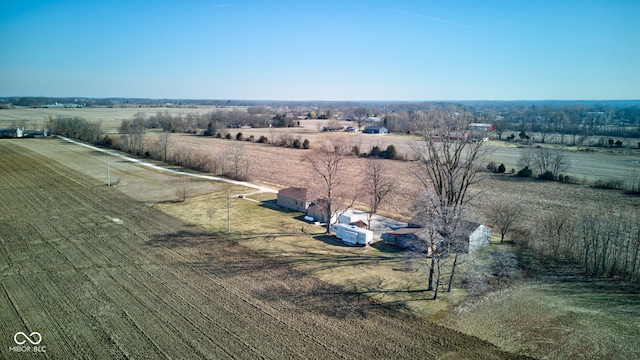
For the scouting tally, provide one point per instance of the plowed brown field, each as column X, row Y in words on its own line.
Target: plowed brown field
column 100, row 275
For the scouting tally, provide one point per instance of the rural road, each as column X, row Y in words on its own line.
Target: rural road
column 176, row 172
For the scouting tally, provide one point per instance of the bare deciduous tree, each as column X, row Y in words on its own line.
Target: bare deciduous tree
column 378, row 184
column 223, row 156
column 503, row 217
column 449, row 161
column 133, row 135
column 551, row 160
column 526, row 159
column 237, row 155
column 183, row 188
column 164, row 142
column 326, row 163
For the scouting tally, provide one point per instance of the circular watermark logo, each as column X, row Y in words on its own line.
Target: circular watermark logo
column 27, row 343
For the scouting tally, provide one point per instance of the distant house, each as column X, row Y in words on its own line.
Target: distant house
column 481, row 127
column 376, row 130
column 372, row 119
column 295, row 198
column 419, row 237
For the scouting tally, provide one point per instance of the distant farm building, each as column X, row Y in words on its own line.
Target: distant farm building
column 376, row 130
column 12, row 133
column 481, row 127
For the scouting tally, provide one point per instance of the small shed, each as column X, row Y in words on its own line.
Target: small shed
column 375, row 130
column 352, row 216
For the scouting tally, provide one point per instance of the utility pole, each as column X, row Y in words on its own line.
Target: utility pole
column 108, row 172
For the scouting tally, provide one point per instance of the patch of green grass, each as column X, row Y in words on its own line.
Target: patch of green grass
column 559, row 321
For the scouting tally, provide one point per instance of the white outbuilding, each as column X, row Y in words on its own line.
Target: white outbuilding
column 352, row 235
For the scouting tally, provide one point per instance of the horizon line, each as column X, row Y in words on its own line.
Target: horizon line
column 306, row 100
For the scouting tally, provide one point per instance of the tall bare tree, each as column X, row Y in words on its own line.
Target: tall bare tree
column 164, row 142
column 133, row 134
column 326, row 163
column 378, row 184
column 443, row 236
column 449, row 157
column 360, row 114
column 238, row 157
column 449, row 162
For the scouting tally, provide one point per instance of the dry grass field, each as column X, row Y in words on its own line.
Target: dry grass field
column 108, row 117
column 100, row 275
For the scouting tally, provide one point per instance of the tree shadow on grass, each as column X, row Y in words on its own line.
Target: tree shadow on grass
column 382, row 246
column 273, row 205
column 332, row 240
column 182, row 238
column 274, row 279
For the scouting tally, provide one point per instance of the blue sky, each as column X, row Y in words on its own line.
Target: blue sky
column 322, row 50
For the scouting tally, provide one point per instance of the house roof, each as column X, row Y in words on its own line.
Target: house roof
column 296, row 193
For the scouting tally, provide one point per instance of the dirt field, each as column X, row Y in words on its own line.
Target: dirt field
column 100, row 275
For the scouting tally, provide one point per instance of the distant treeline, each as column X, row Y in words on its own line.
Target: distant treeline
column 565, row 122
